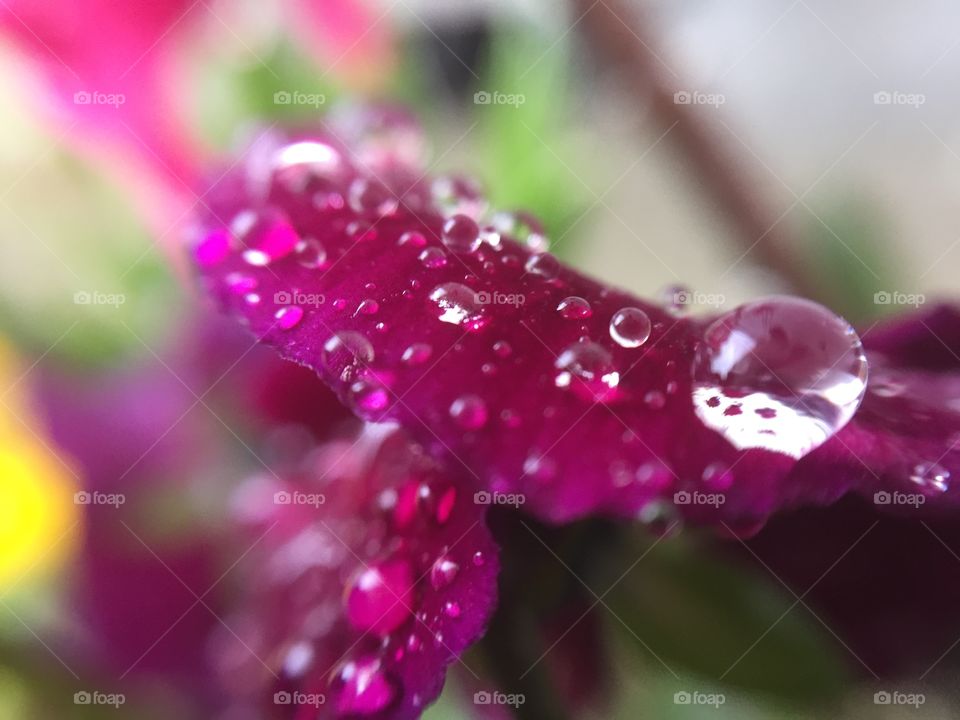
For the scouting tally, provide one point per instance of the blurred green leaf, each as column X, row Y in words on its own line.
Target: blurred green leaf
column 703, row 614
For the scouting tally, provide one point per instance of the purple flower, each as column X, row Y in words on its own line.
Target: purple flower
column 533, row 385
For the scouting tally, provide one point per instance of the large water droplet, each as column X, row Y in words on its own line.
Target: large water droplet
column 461, row 234
column 630, row 327
column 931, row 476
column 378, row 598
column 469, row 412
column 433, row 257
column 363, row 687
column 587, row 366
column 459, row 305
column 574, row 308
column 779, row 373
column 543, row 265
column 266, row 235
column 346, row 353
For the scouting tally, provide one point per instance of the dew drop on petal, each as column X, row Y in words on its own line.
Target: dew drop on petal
column 345, row 353
column 587, row 365
column 241, row 283
column 288, row 317
column 459, row 305
column 469, row 412
column 461, row 234
column 574, row 308
column 378, row 598
column 543, row 265
column 930, row 476
column 801, row 366
column 265, row 235
column 311, row 253
column 451, row 609
column 368, row 397
column 433, row 258
column 417, row 354
column 630, row 327
column 413, row 239
column 371, row 196
column 443, row 572
column 363, row 687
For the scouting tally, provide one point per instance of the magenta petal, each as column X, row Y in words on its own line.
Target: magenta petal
column 542, row 385
column 370, row 574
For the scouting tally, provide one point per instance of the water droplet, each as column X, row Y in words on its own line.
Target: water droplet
column 543, row 265
column 311, row 253
column 367, row 307
column 479, row 559
column 371, row 196
column 241, row 283
column 298, row 165
column 266, row 235
column 451, row 609
column 346, row 353
column 413, row 239
column 540, row 468
column 630, row 327
column 461, row 234
column 469, row 412
column 417, row 354
column 459, row 305
column 574, row 308
column 585, row 365
column 363, row 687
column 655, row 400
column 433, row 257
column 458, row 195
column 288, row 317
column 443, row 572
column 368, row 396
column 717, row 476
column 784, row 354
column 931, row 476
column 502, row 348
column 378, row 598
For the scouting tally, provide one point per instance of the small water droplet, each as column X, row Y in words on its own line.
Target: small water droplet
column 469, row 412
column 367, row 307
column 371, row 196
column 461, row 234
column 413, row 239
column 288, row 317
column 266, row 235
column 417, row 354
column 345, row 353
column 241, row 283
column 543, row 265
column 368, row 396
column 655, row 400
column 363, row 687
column 378, row 598
column 433, row 258
column 479, row 559
column 630, row 327
column 930, row 476
column 574, row 308
column 502, row 348
column 311, row 253
column 586, row 365
column 459, row 305
column 451, row 609
column 443, row 572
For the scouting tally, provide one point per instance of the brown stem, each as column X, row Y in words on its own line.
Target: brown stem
column 730, row 179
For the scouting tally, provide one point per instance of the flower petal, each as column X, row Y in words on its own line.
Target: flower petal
column 370, row 574
column 417, row 304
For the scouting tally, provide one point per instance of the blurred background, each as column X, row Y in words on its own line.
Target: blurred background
column 732, row 148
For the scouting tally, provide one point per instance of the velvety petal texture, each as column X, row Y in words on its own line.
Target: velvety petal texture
column 369, row 574
column 418, row 303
